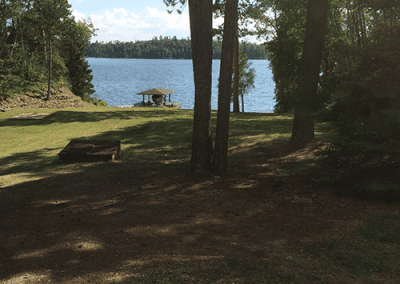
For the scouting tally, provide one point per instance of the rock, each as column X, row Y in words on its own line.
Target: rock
column 152, row 104
column 173, row 104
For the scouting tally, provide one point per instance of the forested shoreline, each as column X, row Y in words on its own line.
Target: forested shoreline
column 163, row 48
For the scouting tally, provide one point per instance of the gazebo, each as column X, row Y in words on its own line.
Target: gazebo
column 157, row 94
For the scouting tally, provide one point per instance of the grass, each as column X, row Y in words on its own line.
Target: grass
column 142, row 132
column 369, row 253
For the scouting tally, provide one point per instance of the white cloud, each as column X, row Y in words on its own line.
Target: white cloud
column 123, row 25
column 78, row 16
column 166, row 21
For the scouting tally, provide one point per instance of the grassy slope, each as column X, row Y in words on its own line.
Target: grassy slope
column 30, row 148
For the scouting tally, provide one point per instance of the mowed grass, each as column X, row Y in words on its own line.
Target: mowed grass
column 29, row 148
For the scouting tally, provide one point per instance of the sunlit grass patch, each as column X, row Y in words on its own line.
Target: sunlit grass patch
column 30, row 148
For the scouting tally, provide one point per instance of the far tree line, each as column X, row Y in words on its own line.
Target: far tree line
column 163, row 48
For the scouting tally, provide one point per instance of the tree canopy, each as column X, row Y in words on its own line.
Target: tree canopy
column 42, row 42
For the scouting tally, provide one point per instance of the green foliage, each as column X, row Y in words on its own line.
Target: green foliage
column 246, row 75
column 364, row 158
column 162, row 48
column 284, row 50
column 94, row 101
column 72, row 45
column 24, row 52
column 59, row 70
column 358, row 90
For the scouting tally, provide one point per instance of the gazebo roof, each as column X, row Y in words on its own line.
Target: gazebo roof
column 157, row 91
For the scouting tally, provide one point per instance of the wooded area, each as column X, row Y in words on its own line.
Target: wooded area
column 42, row 43
column 163, row 48
column 335, row 60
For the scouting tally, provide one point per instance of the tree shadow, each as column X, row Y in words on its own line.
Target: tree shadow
column 140, row 212
column 90, row 115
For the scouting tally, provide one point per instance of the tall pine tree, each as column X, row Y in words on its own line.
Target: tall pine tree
column 76, row 36
column 52, row 14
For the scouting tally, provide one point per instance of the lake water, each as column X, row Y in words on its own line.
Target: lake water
column 117, row 81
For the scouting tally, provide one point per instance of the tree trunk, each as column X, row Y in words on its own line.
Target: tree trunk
column 242, row 103
column 49, row 83
column 303, row 124
column 200, row 13
column 23, row 46
column 220, row 158
column 236, row 74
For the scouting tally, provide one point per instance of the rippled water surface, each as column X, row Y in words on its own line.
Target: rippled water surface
column 117, row 81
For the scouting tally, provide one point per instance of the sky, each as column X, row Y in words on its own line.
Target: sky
column 134, row 20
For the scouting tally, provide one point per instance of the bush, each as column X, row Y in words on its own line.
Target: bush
column 94, row 101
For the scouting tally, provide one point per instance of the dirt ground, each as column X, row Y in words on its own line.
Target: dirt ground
column 60, row 98
column 110, row 221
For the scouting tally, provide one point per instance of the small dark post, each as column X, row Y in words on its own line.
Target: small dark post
column 169, row 97
column 143, row 98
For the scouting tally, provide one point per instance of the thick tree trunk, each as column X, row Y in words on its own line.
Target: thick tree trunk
column 220, row 158
column 303, row 124
column 236, row 75
column 200, row 13
column 242, row 103
column 303, row 127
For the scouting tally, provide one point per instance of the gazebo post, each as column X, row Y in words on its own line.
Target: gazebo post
column 169, row 97
column 143, row 99
column 148, row 96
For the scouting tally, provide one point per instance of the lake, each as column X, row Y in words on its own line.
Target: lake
column 117, row 81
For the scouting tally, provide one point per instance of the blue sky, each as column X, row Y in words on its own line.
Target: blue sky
column 130, row 20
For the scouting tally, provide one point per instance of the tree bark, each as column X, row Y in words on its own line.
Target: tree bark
column 236, row 74
column 49, row 83
column 220, row 158
column 303, row 124
column 200, row 13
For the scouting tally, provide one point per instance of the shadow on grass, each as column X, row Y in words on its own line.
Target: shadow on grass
column 91, row 115
column 147, row 141
column 139, row 222
column 103, row 219
column 143, row 218
column 81, row 219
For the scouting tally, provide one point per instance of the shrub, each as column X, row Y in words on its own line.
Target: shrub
column 94, row 101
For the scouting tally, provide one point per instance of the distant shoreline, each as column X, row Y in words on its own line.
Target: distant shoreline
column 158, row 58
